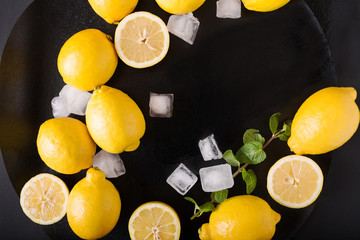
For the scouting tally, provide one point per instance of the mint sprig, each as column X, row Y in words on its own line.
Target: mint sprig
column 250, row 180
column 199, row 210
column 219, row 196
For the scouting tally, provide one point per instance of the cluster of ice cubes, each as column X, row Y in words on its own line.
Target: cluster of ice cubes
column 111, row 164
column 161, row 105
column 70, row 100
column 213, row 179
column 228, row 9
column 184, row 26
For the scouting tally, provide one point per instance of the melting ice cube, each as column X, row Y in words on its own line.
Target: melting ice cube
column 184, row 26
column 75, row 99
column 228, row 9
column 209, row 148
column 59, row 108
column 216, row 178
column 182, row 179
column 110, row 164
column 161, row 105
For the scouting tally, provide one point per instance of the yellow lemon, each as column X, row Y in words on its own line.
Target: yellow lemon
column 94, row 206
column 179, row 7
column 295, row 181
column 264, row 5
column 114, row 120
column 154, row 220
column 243, row 217
column 87, row 59
column 43, row 199
column 65, row 145
column 113, row 10
column 325, row 121
column 142, row 40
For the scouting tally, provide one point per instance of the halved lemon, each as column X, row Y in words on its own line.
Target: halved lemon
column 154, row 220
column 43, row 199
column 141, row 40
column 295, row 181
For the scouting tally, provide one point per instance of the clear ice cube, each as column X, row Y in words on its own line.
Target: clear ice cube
column 184, row 26
column 59, row 108
column 110, row 164
column 161, row 105
column 228, row 9
column 209, row 148
column 182, row 179
column 216, row 178
column 75, row 99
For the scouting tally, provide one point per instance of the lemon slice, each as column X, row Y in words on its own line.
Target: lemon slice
column 295, row 181
column 43, row 199
column 141, row 40
column 154, row 220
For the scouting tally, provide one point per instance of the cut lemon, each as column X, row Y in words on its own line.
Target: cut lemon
column 154, row 220
column 43, row 199
column 295, row 181
column 141, row 40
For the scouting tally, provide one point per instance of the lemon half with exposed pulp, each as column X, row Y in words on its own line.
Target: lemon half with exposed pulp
column 43, row 199
column 141, row 39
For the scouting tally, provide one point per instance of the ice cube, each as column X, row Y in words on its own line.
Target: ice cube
column 228, row 9
column 161, row 105
column 182, row 179
column 209, row 148
column 59, row 108
column 216, row 178
column 76, row 100
column 110, row 164
column 184, row 26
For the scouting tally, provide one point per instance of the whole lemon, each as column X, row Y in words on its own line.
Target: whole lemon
column 114, row 120
column 264, row 5
column 244, row 217
column 325, row 121
column 87, row 59
column 179, row 7
column 113, row 10
column 65, row 145
column 94, row 205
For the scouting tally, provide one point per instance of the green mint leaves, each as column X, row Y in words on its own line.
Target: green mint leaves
column 199, row 210
column 231, row 159
column 253, row 135
column 219, row 196
column 284, row 133
column 251, row 153
column 250, row 179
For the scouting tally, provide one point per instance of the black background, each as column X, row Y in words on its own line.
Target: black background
column 336, row 214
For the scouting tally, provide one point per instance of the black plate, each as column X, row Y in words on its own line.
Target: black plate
column 237, row 73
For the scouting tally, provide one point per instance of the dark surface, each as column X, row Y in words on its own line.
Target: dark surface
column 337, row 203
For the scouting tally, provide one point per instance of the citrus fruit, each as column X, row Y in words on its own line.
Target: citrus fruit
column 154, row 220
column 179, row 7
column 243, row 217
column 114, row 120
column 113, row 10
column 94, row 206
column 325, row 121
column 141, row 40
column 43, row 199
column 87, row 59
column 295, row 181
column 264, row 5
column 65, row 145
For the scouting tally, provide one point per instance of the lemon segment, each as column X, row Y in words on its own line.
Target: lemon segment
column 154, row 220
column 180, row 7
column 141, row 40
column 87, row 59
column 325, row 121
column 113, row 10
column 43, row 199
column 264, row 5
column 295, row 181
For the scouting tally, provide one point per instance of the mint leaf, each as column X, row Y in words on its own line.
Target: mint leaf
column 193, row 201
column 284, row 136
column 231, row 159
column 250, row 179
column 220, row 196
column 251, row 153
column 274, row 122
column 253, row 135
column 207, row 207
